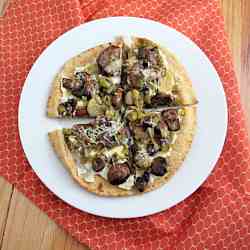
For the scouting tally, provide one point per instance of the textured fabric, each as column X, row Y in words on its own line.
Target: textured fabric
column 217, row 215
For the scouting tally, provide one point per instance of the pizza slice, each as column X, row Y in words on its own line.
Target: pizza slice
column 155, row 77
column 97, row 156
column 89, row 84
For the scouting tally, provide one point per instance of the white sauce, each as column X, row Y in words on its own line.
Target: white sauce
column 86, row 172
column 65, row 93
column 128, row 184
column 116, row 150
column 104, row 173
column 116, row 80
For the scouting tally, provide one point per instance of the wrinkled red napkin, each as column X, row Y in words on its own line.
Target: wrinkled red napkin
column 217, row 215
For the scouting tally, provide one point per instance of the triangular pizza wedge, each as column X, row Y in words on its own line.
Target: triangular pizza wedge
column 88, row 84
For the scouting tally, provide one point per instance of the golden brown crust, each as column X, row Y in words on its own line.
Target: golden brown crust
column 179, row 149
column 54, row 98
column 86, row 57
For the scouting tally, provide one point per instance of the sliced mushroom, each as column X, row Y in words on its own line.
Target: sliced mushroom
column 80, row 127
column 161, row 99
column 152, row 149
column 135, row 76
column 142, row 181
column 170, row 114
column 159, row 166
column 109, row 61
column 67, row 83
column 149, row 56
column 99, row 163
column 118, row 173
column 117, row 98
column 89, row 87
column 78, row 90
column 157, row 134
column 82, row 85
column 80, row 111
column 171, row 118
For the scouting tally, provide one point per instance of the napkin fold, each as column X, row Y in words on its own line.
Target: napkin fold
column 217, row 215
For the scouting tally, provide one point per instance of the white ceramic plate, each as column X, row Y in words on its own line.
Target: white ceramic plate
column 34, row 125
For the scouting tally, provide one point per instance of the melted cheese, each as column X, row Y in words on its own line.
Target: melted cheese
column 128, row 184
column 66, row 95
column 86, row 172
column 116, row 80
column 115, row 150
column 114, row 66
column 103, row 173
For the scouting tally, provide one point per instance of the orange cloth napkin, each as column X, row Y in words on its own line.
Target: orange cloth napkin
column 217, row 215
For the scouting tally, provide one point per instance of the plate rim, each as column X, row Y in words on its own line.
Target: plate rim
column 118, row 18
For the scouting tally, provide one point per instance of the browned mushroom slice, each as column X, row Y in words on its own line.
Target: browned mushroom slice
column 89, row 88
column 109, row 61
column 171, row 118
column 80, row 112
column 118, row 173
column 162, row 99
column 67, row 83
column 135, row 76
column 99, row 163
column 159, row 166
column 117, row 98
column 82, row 85
column 142, row 181
column 149, row 56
